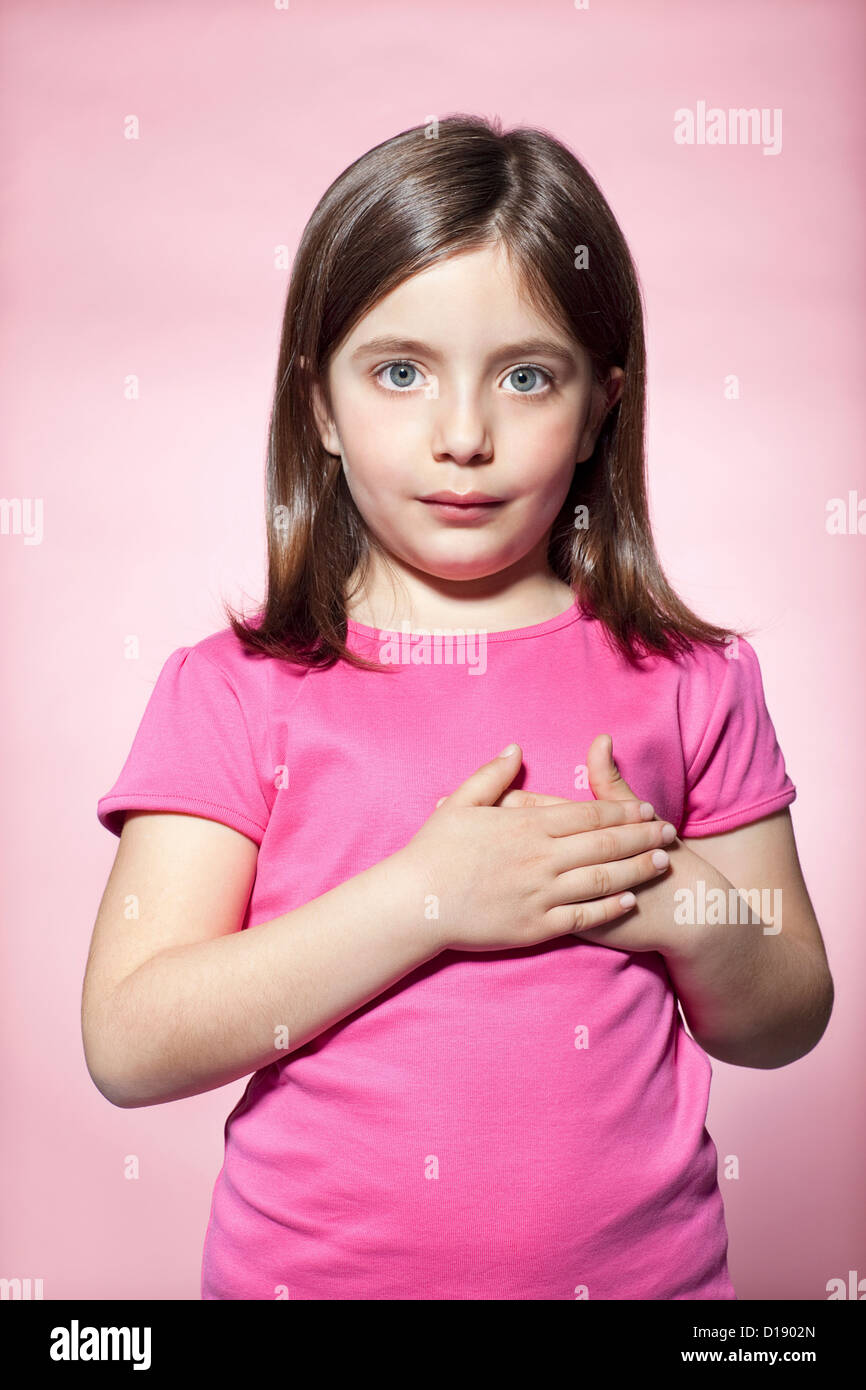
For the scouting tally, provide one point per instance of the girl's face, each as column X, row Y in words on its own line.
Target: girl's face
column 455, row 383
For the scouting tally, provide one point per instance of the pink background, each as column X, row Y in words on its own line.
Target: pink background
column 155, row 257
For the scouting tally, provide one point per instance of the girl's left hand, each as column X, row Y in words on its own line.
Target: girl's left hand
column 641, row 931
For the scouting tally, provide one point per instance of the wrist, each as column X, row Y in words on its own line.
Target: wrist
column 415, row 902
column 690, row 882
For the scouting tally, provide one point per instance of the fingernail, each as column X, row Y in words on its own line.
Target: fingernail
column 660, row 859
column 627, row 900
column 668, row 833
column 506, row 752
column 646, row 810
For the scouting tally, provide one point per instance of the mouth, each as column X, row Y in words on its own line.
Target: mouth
column 462, row 511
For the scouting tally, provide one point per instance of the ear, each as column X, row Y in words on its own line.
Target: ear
column 324, row 423
column 603, row 401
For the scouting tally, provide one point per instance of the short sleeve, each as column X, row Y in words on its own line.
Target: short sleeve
column 192, row 752
column 735, row 771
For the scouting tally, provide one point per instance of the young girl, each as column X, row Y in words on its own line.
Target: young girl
column 470, row 1076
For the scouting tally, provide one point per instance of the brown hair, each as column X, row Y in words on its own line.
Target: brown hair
column 403, row 205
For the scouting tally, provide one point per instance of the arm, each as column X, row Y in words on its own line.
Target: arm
column 195, row 1013
column 751, row 997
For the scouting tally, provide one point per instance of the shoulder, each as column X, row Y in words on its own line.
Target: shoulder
column 247, row 670
column 710, row 672
column 203, row 742
column 702, row 662
column 704, row 669
column 721, row 703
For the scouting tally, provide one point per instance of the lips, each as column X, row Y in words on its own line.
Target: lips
column 462, row 499
column 463, row 513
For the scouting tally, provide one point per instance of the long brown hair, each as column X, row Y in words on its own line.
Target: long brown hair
column 412, row 200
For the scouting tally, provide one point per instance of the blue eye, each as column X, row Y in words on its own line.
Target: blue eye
column 398, row 375
column 402, row 377
column 526, row 378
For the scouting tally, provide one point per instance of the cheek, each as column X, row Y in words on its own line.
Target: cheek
column 388, row 457
column 377, row 435
column 374, row 469
column 547, row 448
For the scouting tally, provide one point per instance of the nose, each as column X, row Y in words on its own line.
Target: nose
column 461, row 432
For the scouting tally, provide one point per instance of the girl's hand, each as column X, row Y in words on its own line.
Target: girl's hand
column 507, row 875
column 636, row 933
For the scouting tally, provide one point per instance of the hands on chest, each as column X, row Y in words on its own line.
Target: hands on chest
column 507, row 868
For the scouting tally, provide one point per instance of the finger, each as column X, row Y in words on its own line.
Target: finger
column 610, row 844
column 577, row 917
column 605, row 776
column 575, row 817
column 601, row 880
column 518, row 798
column 486, row 784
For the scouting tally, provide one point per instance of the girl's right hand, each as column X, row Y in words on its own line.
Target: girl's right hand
column 503, row 877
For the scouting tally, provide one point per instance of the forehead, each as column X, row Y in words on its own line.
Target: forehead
column 474, row 300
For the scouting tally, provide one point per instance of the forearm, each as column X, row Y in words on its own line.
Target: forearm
column 200, row 1016
column 751, row 997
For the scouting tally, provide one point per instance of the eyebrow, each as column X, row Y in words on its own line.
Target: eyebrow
column 535, row 347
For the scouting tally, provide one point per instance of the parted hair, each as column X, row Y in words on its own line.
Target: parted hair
column 405, row 204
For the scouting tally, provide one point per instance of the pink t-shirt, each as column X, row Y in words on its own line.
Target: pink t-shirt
column 522, row 1124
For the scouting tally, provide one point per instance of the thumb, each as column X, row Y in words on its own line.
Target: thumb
column 485, row 786
column 605, row 778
